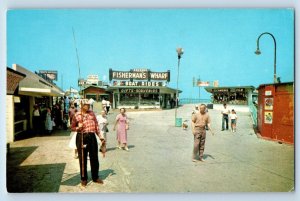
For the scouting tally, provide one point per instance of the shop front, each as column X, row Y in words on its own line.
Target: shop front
column 141, row 88
column 241, row 95
column 32, row 89
column 142, row 97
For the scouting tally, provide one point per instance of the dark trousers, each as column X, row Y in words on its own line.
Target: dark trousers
column 107, row 109
column 199, row 142
column 36, row 121
column 91, row 147
column 225, row 121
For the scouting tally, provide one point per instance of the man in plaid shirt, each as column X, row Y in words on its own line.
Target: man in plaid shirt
column 86, row 125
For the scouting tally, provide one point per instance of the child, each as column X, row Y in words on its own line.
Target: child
column 233, row 120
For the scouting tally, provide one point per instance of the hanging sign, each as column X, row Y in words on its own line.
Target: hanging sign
column 142, row 91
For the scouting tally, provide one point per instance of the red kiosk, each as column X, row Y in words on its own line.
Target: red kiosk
column 276, row 111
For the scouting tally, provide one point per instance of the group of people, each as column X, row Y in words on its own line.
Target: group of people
column 226, row 115
column 90, row 130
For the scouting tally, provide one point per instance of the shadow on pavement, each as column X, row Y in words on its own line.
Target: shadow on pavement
column 75, row 179
column 115, row 148
column 205, row 156
column 31, row 178
column 35, row 178
column 17, row 155
column 106, row 173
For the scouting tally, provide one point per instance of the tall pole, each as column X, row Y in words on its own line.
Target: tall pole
column 76, row 52
column 79, row 75
column 258, row 52
column 179, row 53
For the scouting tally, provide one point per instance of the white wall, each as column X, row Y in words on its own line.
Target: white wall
column 10, row 118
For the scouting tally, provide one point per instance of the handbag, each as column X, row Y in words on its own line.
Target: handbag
column 72, row 143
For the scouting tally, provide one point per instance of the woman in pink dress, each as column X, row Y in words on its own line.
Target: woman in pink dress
column 123, row 126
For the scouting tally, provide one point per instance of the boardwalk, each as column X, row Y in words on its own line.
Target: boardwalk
column 159, row 159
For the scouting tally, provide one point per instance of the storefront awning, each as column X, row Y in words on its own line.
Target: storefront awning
column 34, row 85
column 39, row 92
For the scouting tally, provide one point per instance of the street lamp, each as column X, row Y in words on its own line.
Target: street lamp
column 179, row 51
column 258, row 52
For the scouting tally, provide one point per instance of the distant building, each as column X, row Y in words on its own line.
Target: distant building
column 235, row 95
column 95, row 92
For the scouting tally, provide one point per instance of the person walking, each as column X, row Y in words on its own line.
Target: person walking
column 104, row 105
column 86, row 125
column 107, row 106
column 233, row 119
column 72, row 112
column 123, row 126
column 199, row 121
column 225, row 112
column 48, row 121
column 57, row 113
column 102, row 123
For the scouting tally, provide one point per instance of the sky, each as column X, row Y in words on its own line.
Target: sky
column 219, row 44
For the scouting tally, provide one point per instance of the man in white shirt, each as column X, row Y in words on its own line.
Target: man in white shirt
column 104, row 105
column 107, row 106
column 225, row 112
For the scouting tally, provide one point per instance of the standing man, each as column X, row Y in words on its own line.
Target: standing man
column 199, row 121
column 104, row 105
column 107, row 106
column 225, row 112
column 86, row 125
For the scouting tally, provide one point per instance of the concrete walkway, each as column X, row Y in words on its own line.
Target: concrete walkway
column 159, row 159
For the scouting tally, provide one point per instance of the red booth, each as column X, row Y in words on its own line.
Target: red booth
column 276, row 111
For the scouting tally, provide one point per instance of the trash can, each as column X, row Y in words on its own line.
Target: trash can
column 178, row 122
column 210, row 106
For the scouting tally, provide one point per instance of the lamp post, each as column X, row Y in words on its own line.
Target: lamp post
column 179, row 51
column 258, row 52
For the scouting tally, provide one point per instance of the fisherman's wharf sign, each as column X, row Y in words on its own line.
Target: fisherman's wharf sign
column 138, row 74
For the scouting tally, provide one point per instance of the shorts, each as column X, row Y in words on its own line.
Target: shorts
column 233, row 121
